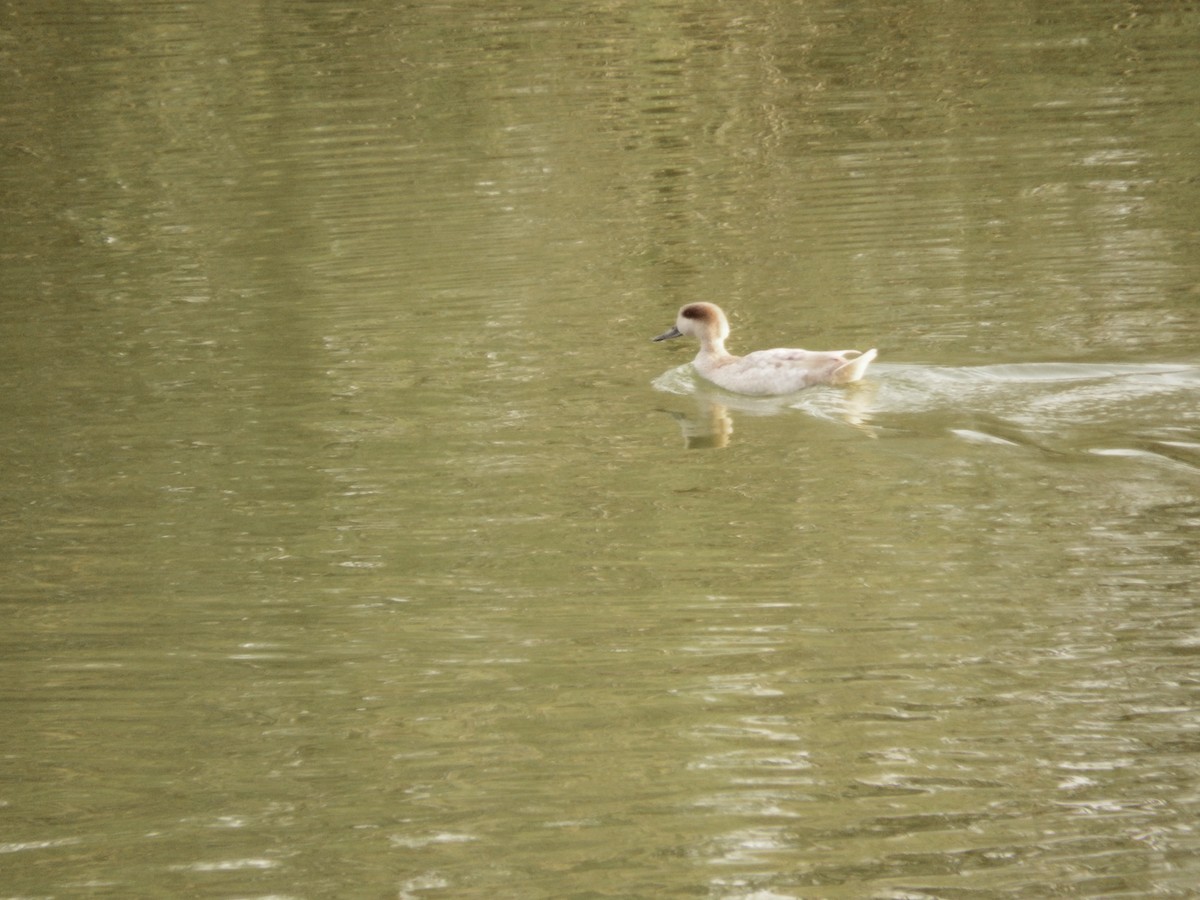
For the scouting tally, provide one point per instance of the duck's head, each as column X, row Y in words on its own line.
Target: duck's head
column 703, row 321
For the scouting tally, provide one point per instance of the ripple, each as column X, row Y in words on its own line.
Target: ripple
column 1011, row 405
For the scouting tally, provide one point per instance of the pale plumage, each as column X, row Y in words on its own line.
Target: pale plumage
column 779, row 371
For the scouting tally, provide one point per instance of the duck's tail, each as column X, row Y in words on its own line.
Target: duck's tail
column 854, row 366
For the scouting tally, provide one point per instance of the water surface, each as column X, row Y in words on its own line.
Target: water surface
column 359, row 542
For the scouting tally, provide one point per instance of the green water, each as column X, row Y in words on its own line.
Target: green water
column 358, row 542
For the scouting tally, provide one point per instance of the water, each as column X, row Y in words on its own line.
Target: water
column 359, row 542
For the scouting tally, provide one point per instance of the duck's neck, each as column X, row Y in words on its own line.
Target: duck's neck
column 713, row 347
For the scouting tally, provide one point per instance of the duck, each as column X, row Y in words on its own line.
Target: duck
column 763, row 372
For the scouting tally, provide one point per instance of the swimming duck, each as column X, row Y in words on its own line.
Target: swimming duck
column 779, row 371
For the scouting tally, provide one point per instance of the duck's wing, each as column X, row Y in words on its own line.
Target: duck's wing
column 817, row 366
column 784, row 356
column 784, row 370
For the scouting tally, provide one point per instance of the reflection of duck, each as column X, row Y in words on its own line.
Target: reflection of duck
column 708, row 428
column 779, row 371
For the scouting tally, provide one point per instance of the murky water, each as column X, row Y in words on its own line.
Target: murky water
column 359, row 542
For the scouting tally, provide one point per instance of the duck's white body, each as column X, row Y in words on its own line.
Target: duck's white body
column 779, row 371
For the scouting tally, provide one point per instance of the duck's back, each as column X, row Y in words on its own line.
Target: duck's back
column 784, row 370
